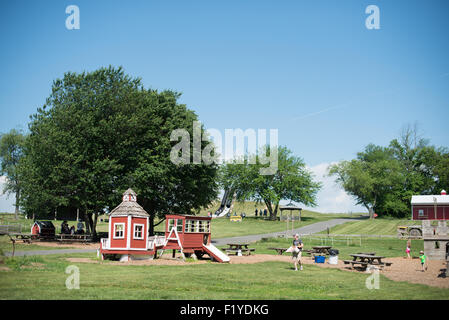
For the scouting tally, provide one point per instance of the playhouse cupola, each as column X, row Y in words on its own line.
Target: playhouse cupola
column 130, row 195
column 443, row 192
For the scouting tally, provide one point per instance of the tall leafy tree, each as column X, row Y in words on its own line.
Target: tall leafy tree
column 11, row 151
column 290, row 181
column 102, row 132
column 370, row 177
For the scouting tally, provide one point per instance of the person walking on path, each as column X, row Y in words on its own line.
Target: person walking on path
column 297, row 252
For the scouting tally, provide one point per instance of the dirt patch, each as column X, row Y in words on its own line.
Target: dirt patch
column 67, row 245
column 4, row 268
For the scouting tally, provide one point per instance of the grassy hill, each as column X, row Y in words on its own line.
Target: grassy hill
column 383, row 226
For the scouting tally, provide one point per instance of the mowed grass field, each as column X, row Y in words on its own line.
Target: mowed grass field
column 380, row 226
column 45, row 277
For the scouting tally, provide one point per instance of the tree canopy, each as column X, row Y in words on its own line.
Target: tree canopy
column 383, row 179
column 100, row 133
column 291, row 180
column 11, row 151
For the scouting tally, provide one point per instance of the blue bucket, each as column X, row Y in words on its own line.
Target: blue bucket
column 320, row 259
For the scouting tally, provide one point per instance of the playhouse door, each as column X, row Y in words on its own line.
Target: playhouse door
column 205, row 238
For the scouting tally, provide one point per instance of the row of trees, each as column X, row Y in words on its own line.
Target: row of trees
column 100, row 133
column 383, row 179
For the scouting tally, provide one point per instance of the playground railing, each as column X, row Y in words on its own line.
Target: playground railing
column 156, row 241
column 105, row 243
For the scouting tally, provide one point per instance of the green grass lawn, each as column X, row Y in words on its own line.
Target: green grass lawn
column 268, row 280
column 383, row 226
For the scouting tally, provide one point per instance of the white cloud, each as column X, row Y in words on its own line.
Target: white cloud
column 6, row 201
column 332, row 198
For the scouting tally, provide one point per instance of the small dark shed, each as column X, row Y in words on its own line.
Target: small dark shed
column 44, row 229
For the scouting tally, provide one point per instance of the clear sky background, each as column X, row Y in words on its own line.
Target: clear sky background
column 310, row 69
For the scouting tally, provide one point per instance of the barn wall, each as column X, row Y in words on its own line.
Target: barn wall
column 429, row 212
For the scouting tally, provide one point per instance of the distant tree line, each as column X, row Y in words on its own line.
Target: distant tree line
column 383, row 179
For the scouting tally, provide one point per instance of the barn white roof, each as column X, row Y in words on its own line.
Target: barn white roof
column 429, row 199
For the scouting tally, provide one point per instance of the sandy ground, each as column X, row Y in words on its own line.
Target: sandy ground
column 401, row 270
column 54, row 244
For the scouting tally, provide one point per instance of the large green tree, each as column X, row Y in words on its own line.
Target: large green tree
column 102, row 132
column 370, row 177
column 290, row 180
column 11, row 151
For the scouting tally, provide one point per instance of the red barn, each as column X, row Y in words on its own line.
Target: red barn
column 430, row 207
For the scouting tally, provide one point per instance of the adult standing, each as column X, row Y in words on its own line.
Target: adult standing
column 297, row 252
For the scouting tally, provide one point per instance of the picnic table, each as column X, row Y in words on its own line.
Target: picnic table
column 25, row 237
column 280, row 251
column 364, row 260
column 319, row 250
column 239, row 249
column 64, row 237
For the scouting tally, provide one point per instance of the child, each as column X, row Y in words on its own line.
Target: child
column 408, row 250
column 423, row 258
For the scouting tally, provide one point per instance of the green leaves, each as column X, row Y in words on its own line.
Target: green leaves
column 383, row 179
column 291, row 181
column 101, row 133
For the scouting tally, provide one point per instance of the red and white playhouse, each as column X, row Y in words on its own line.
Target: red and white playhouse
column 128, row 234
column 430, row 207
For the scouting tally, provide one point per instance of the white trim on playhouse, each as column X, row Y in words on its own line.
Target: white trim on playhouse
column 114, row 236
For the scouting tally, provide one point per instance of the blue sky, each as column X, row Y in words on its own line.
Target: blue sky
column 310, row 69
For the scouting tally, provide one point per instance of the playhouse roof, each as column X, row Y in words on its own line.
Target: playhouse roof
column 129, row 208
column 429, row 199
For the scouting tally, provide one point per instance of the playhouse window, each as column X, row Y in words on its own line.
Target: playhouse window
column 171, row 224
column 179, row 225
column 420, row 212
column 138, row 231
column 200, row 226
column 207, row 226
column 119, row 229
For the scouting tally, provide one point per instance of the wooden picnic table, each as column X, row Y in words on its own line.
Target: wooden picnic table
column 319, row 250
column 280, row 251
column 25, row 237
column 365, row 260
column 65, row 237
column 239, row 248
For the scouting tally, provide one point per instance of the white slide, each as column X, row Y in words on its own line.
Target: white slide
column 222, row 214
column 215, row 253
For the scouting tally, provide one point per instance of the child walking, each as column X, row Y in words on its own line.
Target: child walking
column 408, row 249
column 423, row 259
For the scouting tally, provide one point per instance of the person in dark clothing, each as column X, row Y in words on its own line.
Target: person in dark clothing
column 65, row 227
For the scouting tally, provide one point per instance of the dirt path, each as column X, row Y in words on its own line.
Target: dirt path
column 401, row 270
